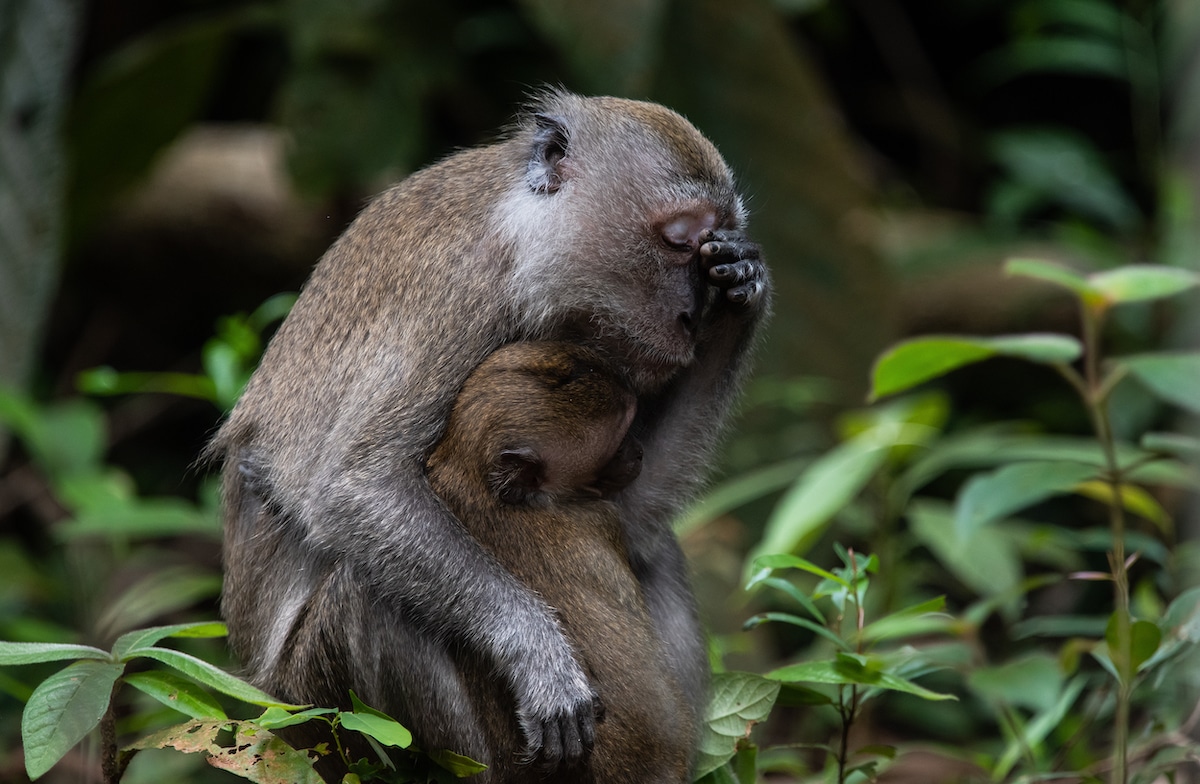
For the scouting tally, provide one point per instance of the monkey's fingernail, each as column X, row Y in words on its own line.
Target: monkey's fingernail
column 721, row 271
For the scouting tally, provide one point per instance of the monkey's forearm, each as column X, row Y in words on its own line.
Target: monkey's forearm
column 413, row 554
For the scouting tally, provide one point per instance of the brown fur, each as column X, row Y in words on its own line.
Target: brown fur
column 603, row 222
column 565, row 542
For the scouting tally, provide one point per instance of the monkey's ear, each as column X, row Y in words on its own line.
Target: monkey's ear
column 517, row 474
column 545, row 169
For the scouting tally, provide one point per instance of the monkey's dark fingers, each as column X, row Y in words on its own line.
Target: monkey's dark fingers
column 733, row 274
column 722, row 247
column 746, row 295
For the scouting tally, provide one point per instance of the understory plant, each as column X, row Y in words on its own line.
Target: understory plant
column 1055, row 684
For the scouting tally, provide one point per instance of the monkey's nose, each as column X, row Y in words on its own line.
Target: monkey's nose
column 687, row 320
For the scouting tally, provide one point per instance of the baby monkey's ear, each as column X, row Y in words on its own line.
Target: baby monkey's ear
column 517, row 474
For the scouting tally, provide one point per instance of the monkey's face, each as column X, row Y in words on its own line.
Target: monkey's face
column 607, row 227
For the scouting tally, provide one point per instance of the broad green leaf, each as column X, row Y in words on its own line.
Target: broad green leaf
column 457, row 764
column 63, row 709
column 803, row 623
column 33, row 652
column 1049, row 272
column 142, row 517
column 107, row 381
column 144, row 638
column 1187, row 447
column 1034, row 681
column 915, row 361
column 1174, row 377
column 919, row 619
column 1142, row 282
column 275, row 717
column 986, row 560
column 1144, row 639
column 1054, row 167
column 731, row 494
column 1038, row 728
column 161, row 593
column 387, row 731
column 837, row 672
column 794, row 592
column 1133, row 499
column 1060, row 626
column 210, row 675
column 177, row 693
column 1182, row 617
column 739, row 701
column 764, row 564
column 830, row 483
column 1064, row 54
column 992, row 496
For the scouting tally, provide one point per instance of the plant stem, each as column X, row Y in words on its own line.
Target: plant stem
column 1096, row 400
column 108, row 742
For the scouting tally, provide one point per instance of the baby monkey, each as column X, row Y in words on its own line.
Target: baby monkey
column 536, row 443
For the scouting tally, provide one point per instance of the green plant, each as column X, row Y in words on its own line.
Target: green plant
column 857, row 671
column 67, row 706
column 1046, row 682
column 1131, row 647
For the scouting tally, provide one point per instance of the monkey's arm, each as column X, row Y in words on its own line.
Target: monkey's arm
column 416, row 555
column 679, row 430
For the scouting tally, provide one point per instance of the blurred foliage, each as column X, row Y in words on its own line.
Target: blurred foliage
column 889, row 166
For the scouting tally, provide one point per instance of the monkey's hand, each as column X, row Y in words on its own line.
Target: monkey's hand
column 561, row 735
column 734, row 265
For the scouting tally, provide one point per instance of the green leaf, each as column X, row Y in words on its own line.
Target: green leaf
column 985, row 560
column 1050, row 273
column 256, row 754
column 1142, row 282
column 1034, row 681
column 830, row 483
column 1037, row 729
column 1187, row 447
column 210, row 675
column 840, row 672
column 739, row 701
column 764, row 564
column 107, row 381
column 177, row 693
column 1174, row 377
column 1182, row 617
column 783, row 586
column 1144, row 639
column 379, row 719
column 919, row 619
column 144, row 638
column 63, row 709
column 1133, row 499
column 915, row 361
column 33, row 652
column 992, row 496
column 460, row 766
column 387, row 731
column 142, row 517
column 275, row 717
column 803, row 623
column 731, row 494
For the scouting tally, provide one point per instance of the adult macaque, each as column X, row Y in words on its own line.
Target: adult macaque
column 603, row 222
column 535, row 443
